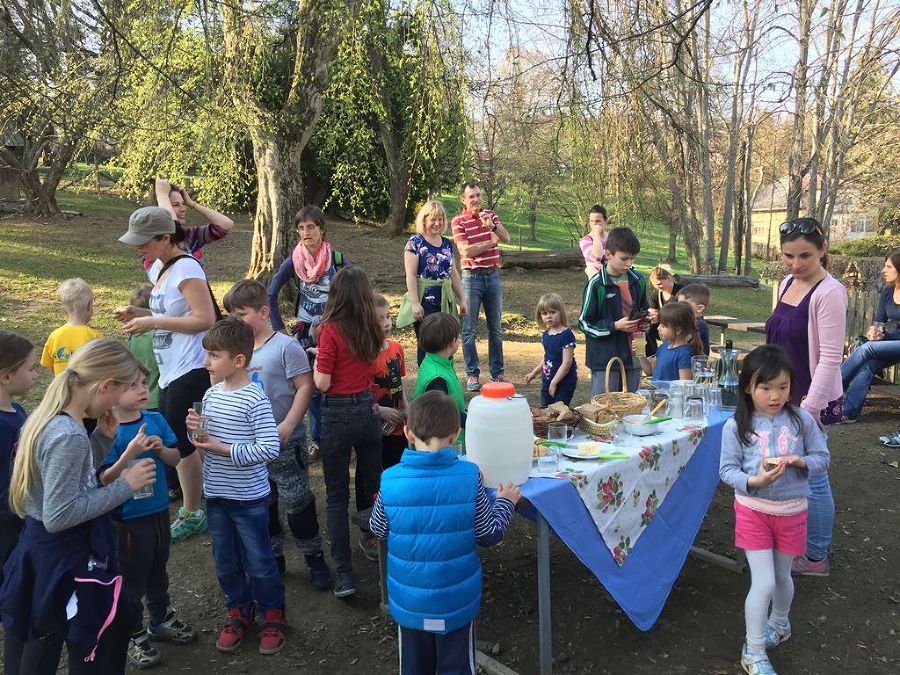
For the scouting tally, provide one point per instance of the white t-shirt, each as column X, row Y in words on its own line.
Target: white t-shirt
column 176, row 353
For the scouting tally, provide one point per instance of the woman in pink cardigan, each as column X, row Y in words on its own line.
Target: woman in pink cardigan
column 809, row 321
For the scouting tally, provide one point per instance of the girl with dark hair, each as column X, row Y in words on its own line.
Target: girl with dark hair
column 350, row 338
column 883, row 348
column 181, row 311
column 809, row 322
column 665, row 290
column 769, row 451
column 681, row 342
column 18, row 373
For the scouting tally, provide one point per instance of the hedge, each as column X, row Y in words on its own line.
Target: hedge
column 881, row 245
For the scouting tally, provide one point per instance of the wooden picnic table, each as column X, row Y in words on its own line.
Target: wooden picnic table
column 733, row 323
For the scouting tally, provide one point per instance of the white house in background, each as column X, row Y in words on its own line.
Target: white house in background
column 851, row 219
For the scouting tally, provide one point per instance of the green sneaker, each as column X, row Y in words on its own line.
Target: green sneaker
column 187, row 524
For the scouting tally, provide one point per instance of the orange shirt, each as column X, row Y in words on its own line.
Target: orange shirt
column 387, row 382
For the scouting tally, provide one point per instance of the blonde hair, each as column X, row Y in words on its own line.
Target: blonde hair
column 75, row 295
column 660, row 272
column 551, row 301
column 430, row 209
column 93, row 363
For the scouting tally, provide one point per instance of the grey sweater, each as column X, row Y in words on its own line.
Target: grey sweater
column 66, row 491
column 774, row 437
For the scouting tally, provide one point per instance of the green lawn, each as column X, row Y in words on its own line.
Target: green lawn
column 554, row 232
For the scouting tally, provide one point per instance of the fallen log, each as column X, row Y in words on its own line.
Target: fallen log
column 542, row 260
column 725, row 280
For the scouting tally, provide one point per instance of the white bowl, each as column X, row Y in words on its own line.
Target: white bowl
column 634, row 425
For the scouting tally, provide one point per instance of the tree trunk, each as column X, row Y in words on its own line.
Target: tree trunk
column 796, row 170
column 672, row 255
column 532, row 218
column 279, row 185
column 739, row 223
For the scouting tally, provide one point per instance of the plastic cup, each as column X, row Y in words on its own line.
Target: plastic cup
column 144, row 492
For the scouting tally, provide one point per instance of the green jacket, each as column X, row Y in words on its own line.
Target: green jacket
column 448, row 300
column 437, row 366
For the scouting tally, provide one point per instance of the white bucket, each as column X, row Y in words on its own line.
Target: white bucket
column 499, row 434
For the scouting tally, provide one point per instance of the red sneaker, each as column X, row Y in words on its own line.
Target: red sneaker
column 271, row 637
column 233, row 631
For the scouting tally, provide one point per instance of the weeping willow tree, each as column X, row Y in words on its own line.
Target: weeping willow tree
column 393, row 128
column 275, row 61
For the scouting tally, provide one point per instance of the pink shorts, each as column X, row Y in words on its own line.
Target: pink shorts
column 755, row 531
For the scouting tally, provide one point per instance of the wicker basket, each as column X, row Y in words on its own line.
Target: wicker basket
column 604, row 430
column 618, row 404
column 540, row 426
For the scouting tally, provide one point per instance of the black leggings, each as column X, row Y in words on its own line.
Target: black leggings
column 175, row 400
column 41, row 656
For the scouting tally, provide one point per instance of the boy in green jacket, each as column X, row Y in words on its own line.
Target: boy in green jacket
column 439, row 337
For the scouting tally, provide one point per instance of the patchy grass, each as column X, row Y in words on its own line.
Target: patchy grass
column 38, row 255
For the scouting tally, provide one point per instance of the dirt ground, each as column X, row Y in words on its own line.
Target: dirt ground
column 847, row 623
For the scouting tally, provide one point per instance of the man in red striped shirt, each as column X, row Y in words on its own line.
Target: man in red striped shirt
column 477, row 233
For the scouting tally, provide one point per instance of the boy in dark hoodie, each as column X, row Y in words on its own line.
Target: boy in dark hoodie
column 613, row 308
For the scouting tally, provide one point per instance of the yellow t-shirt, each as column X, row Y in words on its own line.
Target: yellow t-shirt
column 62, row 343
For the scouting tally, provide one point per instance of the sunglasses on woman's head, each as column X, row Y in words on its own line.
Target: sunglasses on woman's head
column 802, row 225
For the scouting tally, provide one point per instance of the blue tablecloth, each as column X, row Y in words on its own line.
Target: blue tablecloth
column 642, row 585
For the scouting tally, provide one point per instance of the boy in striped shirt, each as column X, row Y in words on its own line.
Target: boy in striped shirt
column 237, row 437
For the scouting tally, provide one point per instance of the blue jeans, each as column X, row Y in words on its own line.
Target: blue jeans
column 860, row 368
column 348, row 423
column 483, row 289
column 242, row 553
column 315, row 417
column 819, row 518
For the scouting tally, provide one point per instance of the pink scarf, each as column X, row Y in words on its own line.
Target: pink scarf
column 310, row 268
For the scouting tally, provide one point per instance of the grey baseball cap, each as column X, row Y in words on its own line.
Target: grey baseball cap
column 146, row 223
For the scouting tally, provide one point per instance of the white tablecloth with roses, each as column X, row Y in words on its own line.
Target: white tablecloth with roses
column 623, row 495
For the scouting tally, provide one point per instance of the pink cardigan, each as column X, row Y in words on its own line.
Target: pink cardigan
column 827, row 329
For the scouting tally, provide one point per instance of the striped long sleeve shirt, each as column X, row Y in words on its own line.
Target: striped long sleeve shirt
column 491, row 517
column 242, row 419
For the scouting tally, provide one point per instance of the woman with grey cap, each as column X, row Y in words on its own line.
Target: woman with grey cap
column 181, row 311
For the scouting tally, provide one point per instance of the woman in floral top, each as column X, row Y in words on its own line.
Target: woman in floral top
column 432, row 279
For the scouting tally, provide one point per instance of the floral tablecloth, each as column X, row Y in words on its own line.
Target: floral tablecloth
column 623, row 495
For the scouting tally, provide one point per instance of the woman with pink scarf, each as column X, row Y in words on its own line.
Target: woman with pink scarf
column 311, row 266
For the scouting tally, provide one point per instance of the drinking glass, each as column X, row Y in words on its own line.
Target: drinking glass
column 143, row 492
column 693, row 410
column 620, row 435
column 560, row 433
column 201, row 432
column 712, row 398
column 703, row 369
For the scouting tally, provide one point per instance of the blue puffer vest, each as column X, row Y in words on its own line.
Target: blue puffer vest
column 433, row 568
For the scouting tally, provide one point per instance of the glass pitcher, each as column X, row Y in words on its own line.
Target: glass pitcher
column 728, row 376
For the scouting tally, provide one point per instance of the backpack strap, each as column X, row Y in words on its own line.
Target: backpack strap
column 216, row 309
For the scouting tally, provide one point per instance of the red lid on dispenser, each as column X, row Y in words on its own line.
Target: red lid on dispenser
column 498, row 390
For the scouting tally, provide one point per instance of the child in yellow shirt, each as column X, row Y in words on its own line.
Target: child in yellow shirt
column 77, row 301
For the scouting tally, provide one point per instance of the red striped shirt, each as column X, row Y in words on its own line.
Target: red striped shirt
column 469, row 228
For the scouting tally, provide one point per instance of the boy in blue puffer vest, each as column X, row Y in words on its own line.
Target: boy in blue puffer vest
column 433, row 510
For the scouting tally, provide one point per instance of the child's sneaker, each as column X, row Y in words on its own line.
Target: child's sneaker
column 472, row 383
column 187, row 524
column 233, row 631
column 757, row 663
column 369, row 547
column 775, row 633
column 141, row 652
column 271, row 637
column 319, row 574
column 803, row 566
column 344, row 585
column 172, row 630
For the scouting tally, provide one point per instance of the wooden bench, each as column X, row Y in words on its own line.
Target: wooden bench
column 733, row 323
column 885, row 390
